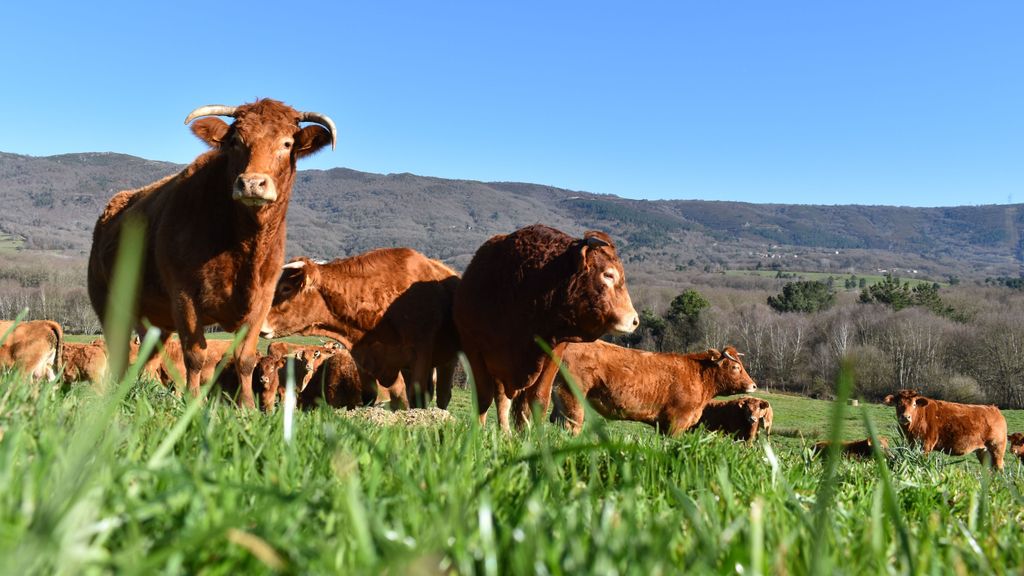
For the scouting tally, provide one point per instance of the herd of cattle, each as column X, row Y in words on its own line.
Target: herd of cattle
column 527, row 313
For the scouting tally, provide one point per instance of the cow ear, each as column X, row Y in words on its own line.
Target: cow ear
column 920, row 401
column 888, row 400
column 311, row 140
column 714, row 355
column 210, row 130
column 764, row 405
column 592, row 240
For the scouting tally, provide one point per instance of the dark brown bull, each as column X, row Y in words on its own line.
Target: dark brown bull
column 35, row 346
column 950, row 427
column 536, row 282
column 391, row 308
column 215, row 232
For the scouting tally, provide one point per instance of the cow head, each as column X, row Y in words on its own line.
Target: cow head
column 728, row 374
column 1017, row 444
column 907, row 403
column 265, row 378
column 604, row 304
column 297, row 300
column 754, row 409
column 307, row 360
column 262, row 145
column 766, row 416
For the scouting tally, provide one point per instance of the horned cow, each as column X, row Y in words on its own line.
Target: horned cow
column 214, row 232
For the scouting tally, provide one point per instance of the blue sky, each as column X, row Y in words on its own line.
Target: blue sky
column 868, row 102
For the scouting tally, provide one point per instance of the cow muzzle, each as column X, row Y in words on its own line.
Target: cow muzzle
column 752, row 387
column 267, row 331
column 627, row 324
column 254, row 189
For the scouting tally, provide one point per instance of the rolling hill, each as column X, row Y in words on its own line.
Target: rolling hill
column 51, row 203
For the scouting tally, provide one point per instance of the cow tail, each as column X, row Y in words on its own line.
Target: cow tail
column 58, row 334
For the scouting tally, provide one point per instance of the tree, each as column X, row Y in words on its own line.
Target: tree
column 803, row 296
column 683, row 320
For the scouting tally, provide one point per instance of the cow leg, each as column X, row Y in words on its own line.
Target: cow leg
column 484, row 384
column 445, row 376
column 419, row 380
column 397, row 390
column 567, row 411
column 245, row 362
column 193, row 342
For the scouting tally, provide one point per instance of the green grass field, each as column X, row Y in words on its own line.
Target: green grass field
column 139, row 481
column 823, row 276
column 9, row 243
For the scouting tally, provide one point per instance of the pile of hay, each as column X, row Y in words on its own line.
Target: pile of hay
column 384, row 417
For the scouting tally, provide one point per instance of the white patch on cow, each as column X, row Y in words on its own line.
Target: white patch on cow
column 629, row 320
column 267, row 331
column 610, row 277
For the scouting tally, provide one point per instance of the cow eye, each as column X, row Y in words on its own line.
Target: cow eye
column 287, row 144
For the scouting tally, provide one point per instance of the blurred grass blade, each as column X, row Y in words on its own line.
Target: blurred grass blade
column 891, row 504
column 289, row 400
column 124, row 292
column 17, row 320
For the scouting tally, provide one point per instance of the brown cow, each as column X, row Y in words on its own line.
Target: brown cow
column 35, row 347
column 391, row 308
column 740, row 417
column 1017, row 445
column 337, row 381
column 854, row 448
column 215, row 232
column 953, row 428
column 536, row 282
column 767, row 418
column 665, row 390
column 85, row 362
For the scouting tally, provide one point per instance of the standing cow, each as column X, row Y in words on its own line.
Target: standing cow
column 536, row 282
column 392, row 308
column 35, row 347
column 950, row 427
column 665, row 390
column 215, row 232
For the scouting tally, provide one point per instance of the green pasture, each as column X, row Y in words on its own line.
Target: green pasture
column 9, row 243
column 823, row 276
column 138, row 481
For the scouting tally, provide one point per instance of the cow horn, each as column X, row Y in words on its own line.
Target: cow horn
column 212, row 110
column 595, row 242
column 323, row 120
column 294, row 265
column 731, row 357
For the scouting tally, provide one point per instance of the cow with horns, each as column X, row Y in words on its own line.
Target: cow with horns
column 215, row 232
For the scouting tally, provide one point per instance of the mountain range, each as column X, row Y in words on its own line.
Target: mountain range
column 51, row 203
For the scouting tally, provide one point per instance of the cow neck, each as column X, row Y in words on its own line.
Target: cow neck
column 344, row 304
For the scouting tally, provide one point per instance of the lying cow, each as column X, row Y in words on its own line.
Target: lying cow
column 950, row 427
column 392, row 308
column 740, row 417
column 855, row 448
column 536, row 282
column 35, row 347
column 1017, row 445
column 84, row 362
column 665, row 390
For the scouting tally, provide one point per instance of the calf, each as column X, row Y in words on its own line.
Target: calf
column 84, row 362
column 854, row 448
column 536, row 282
column 1017, row 445
column 35, row 346
column 664, row 390
column 392, row 308
column 950, row 427
column 740, row 417
column 272, row 370
column 338, row 383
